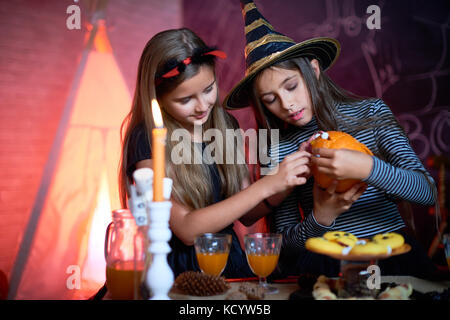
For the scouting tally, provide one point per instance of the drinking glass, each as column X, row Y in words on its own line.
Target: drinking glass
column 125, row 254
column 212, row 251
column 263, row 251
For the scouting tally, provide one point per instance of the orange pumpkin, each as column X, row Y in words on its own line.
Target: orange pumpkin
column 336, row 140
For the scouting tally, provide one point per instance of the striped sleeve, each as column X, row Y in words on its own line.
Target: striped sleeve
column 402, row 175
column 295, row 236
column 288, row 222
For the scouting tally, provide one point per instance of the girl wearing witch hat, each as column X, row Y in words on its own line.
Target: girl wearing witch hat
column 178, row 69
column 286, row 84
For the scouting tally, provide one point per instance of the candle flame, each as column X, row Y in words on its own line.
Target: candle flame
column 156, row 112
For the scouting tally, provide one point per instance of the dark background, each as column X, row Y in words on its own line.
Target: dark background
column 406, row 62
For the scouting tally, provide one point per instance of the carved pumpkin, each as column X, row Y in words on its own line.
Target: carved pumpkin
column 336, row 140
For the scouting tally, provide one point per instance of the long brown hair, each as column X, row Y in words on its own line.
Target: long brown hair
column 325, row 97
column 189, row 180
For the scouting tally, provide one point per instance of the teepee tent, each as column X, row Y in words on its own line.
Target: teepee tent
column 57, row 249
column 61, row 255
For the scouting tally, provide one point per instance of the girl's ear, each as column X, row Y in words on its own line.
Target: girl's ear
column 315, row 66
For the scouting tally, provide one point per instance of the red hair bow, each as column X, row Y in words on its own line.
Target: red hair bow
column 182, row 64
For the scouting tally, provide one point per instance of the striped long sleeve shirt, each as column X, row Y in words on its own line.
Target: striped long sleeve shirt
column 397, row 174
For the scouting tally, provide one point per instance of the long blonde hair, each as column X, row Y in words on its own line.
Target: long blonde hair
column 191, row 182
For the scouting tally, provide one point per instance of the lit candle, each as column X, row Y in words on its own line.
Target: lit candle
column 159, row 134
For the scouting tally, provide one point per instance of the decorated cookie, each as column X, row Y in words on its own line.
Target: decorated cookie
column 323, row 245
column 392, row 239
column 368, row 247
column 341, row 237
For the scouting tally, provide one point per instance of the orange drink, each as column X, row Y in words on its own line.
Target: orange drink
column 262, row 264
column 123, row 281
column 262, row 251
column 212, row 263
column 212, row 251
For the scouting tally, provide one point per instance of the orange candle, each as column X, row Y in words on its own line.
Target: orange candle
column 159, row 134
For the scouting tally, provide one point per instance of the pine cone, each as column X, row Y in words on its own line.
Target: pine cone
column 201, row 284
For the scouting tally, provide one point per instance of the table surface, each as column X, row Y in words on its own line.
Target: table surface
column 285, row 289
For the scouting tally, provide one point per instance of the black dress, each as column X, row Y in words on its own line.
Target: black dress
column 182, row 257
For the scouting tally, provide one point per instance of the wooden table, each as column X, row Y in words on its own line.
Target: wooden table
column 285, row 289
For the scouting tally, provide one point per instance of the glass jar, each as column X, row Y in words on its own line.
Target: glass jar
column 125, row 254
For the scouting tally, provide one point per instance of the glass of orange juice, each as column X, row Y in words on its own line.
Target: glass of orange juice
column 212, row 251
column 263, row 251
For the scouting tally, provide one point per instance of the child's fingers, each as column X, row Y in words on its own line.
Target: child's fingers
column 297, row 155
column 299, row 180
column 323, row 164
column 332, row 188
column 300, row 169
column 315, row 135
column 300, row 153
column 300, row 161
column 306, row 146
column 361, row 190
column 323, row 152
column 354, row 192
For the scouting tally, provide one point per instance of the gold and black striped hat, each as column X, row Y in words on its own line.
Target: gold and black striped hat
column 265, row 47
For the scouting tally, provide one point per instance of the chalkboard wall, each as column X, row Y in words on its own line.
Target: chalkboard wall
column 406, row 62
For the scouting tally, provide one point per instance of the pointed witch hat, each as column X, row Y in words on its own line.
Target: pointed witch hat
column 266, row 47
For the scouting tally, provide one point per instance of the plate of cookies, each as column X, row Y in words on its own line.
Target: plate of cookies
column 343, row 245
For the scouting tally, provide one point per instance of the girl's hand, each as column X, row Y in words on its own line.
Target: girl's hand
column 328, row 204
column 342, row 163
column 292, row 171
column 306, row 146
column 276, row 199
